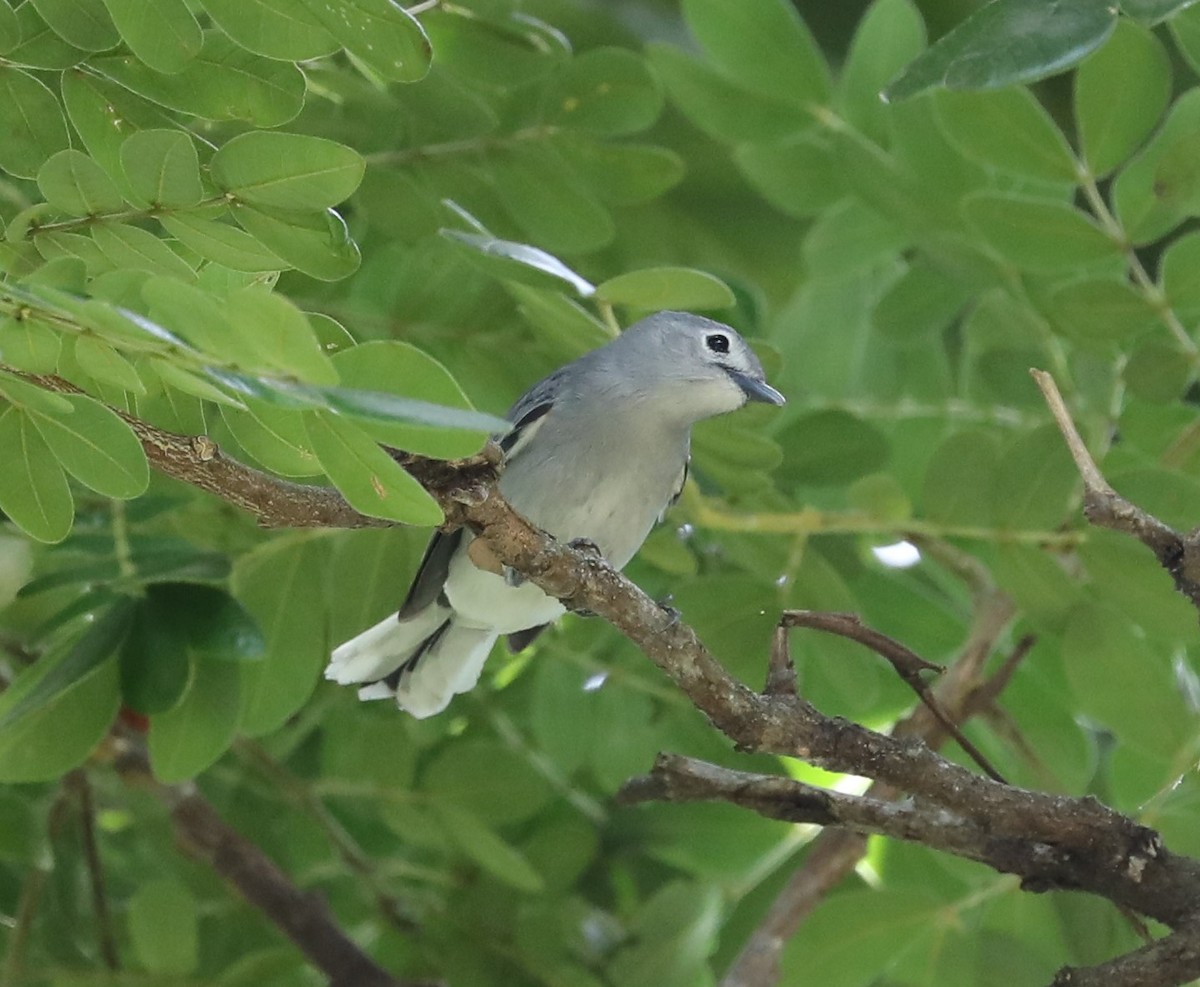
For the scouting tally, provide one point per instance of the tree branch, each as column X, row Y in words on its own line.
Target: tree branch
column 1105, row 508
column 302, row 917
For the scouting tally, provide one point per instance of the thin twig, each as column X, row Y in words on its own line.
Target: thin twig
column 78, row 780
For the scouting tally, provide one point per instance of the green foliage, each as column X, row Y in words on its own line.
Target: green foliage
column 308, row 227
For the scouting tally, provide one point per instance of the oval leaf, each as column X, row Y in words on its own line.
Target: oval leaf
column 287, row 171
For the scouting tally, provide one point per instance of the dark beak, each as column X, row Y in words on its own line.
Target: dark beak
column 755, row 389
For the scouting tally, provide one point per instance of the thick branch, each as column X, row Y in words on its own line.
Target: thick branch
column 1105, row 508
column 1174, row 959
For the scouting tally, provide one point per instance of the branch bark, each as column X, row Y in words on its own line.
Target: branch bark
column 1052, row 842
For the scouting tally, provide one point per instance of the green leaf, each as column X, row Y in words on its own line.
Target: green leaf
column 518, row 262
column 493, row 854
column 316, row 243
column 82, row 23
column 98, row 642
column 156, row 668
column 177, row 377
column 215, row 625
column 104, row 115
column 666, row 287
column 538, row 190
column 164, row 927
column 31, row 397
column 162, row 168
column 48, row 743
column 29, row 345
column 282, row 584
column 41, row 47
column 473, row 777
column 832, row 447
column 202, row 321
column 1179, row 274
column 1006, row 42
column 135, row 248
column 1153, row 11
column 287, row 171
column 1100, row 311
column 74, row 183
column 621, row 174
column 188, row 738
column 960, row 480
column 1185, row 28
column 279, row 334
column 273, row 436
column 1008, row 129
column 673, row 934
column 1120, row 94
column 223, row 243
column 367, row 476
column 161, row 33
column 1036, row 234
column 380, row 410
column 97, row 448
column 890, row 35
column 1035, row 481
column 1158, row 188
column 764, row 45
column 606, row 91
column 31, row 121
column 10, row 29
column 724, row 109
column 33, row 488
column 222, row 82
column 279, row 29
column 382, row 34
column 800, row 178
column 918, row 306
column 1124, row 683
column 395, row 368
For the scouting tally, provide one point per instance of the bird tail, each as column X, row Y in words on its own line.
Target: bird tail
column 421, row 662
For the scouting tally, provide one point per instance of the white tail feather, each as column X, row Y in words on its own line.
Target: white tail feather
column 383, row 648
column 452, row 665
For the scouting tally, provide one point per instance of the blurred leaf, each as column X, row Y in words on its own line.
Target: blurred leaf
column 666, row 288
column 800, row 177
column 764, row 45
column 918, row 307
column 279, row 334
column 222, row 82
column 606, row 91
column 282, row 584
column 101, row 361
column 132, row 247
column 724, row 109
column 287, row 171
column 1185, row 29
column 1153, row 10
column 1158, row 187
column 832, row 448
column 1006, row 42
column 156, row 668
column 161, row 33
column 164, row 927
column 1034, row 234
column 381, row 33
column 621, row 174
column 1101, row 311
column 1008, row 129
column 487, row 781
column 317, row 243
column 96, row 447
column 162, row 168
column 673, row 935
column 58, row 736
column 279, row 29
column 1120, row 94
column 10, row 29
column 98, row 642
column 368, row 477
column 890, row 35
column 960, row 481
column 33, row 489
column 1158, row 370
column 395, row 368
column 518, row 262
column 199, row 729
column 1035, row 481
column 1123, row 683
column 31, row 121
column 493, row 854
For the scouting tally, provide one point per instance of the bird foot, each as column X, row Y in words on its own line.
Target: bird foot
column 673, row 615
column 512, row 577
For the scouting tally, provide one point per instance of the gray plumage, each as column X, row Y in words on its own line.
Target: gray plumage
column 598, row 450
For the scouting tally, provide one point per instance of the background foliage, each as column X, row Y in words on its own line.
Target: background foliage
column 307, row 226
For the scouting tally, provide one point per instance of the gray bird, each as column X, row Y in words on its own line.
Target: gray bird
column 598, row 451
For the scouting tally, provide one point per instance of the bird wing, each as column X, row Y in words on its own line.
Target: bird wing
column 527, row 416
column 683, row 475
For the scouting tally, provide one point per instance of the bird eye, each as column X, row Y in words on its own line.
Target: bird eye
column 717, row 342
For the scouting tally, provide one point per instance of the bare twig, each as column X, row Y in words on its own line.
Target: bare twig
column 1105, row 508
column 78, row 781
column 908, row 666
